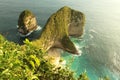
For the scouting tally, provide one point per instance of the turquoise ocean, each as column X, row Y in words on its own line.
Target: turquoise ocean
column 100, row 44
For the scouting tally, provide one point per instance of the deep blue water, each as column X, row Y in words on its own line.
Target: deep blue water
column 100, row 44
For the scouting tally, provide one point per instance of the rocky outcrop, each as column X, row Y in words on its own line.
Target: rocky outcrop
column 27, row 22
column 62, row 24
column 76, row 24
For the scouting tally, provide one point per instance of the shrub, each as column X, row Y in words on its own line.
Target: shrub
column 27, row 62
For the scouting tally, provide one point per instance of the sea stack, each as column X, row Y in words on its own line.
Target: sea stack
column 27, row 23
column 62, row 24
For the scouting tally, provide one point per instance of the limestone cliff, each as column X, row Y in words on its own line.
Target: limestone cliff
column 76, row 24
column 59, row 26
column 27, row 22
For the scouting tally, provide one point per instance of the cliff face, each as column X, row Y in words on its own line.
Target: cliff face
column 62, row 24
column 76, row 25
column 27, row 22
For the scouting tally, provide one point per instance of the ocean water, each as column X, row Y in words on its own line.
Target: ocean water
column 100, row 44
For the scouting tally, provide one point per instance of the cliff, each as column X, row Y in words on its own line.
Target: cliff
column 62, row 24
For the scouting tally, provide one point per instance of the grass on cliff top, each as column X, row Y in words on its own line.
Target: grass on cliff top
column 27, row 63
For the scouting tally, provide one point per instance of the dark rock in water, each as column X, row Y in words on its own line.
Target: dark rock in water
column 59, row 26
column 27, row 22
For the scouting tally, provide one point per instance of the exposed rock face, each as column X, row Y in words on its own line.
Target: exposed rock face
column 27, row 22
column 59, row 26
column 76, row 26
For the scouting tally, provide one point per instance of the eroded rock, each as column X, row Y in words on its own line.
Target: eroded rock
column 62, row 24
column 76, row 26
column 27, row 23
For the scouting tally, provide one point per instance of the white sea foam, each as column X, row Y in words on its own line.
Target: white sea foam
column 78, row 49
column 17, row 26
column 38, row 29
column 91, row 36
column 22, row 35
column 92, row 30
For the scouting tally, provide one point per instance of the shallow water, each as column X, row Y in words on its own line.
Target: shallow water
column 100, row 43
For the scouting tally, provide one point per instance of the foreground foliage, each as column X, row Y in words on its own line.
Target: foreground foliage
column 27, row 63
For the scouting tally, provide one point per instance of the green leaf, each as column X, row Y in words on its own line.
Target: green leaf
column 26, row 41
column 32, row 64
column 5, row 71
column 34, row 77
column 1, row 52
column 37, row 61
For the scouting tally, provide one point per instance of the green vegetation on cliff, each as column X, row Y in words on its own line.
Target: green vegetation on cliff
column 27, row 63
column 63, row 23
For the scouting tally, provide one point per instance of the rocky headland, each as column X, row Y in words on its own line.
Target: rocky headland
column 60, row 25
